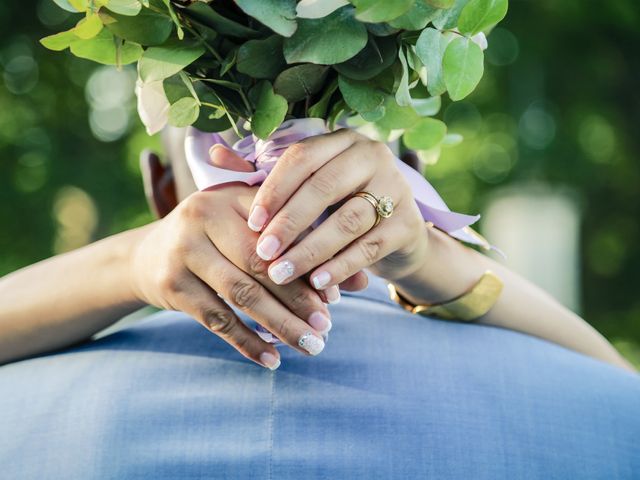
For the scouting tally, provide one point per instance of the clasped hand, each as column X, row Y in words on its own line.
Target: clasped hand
column 254, row 248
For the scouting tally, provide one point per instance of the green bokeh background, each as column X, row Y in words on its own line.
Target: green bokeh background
column 559, row 104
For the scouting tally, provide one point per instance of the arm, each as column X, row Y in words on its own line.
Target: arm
column 327, row 169
column 449, row 268
column 202, row 248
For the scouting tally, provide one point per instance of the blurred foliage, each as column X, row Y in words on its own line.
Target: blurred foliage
column 559, row 104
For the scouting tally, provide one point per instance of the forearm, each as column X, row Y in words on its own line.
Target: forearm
column 66, row 299
column 450, row 268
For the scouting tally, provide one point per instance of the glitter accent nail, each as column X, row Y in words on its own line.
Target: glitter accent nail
column 311, row 343
column 280, row 271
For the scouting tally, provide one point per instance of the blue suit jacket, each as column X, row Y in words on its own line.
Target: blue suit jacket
column 391, row 396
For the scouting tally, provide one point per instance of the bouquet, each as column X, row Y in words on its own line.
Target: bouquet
column 383, row 65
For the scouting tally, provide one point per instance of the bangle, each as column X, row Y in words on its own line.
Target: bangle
column 468, row 307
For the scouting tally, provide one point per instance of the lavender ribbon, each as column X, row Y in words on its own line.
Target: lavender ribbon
column 265, row 153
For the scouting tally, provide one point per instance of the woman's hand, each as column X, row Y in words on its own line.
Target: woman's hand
column 203, row 248
column 322, row 171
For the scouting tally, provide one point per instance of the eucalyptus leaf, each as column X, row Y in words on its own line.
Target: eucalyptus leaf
column 207, row 16
column 362, row 97
column 278, row 15
column 103, row 48
column 299, row 82
column 319, row 109
column 479, row 15
column 381, row 29
column 184, row 112
column 416, row 18
column 448, row 18
column 463, row 66
column 426, row 107
column 395, row 116
column 65, row 5
column 175, row 89
column 378, row 54
column 403, row 97
column 328, row 40
column 271, row 109
column 158, row 63
column 147, row 28
column 430, row 48
column 88, row 27
column 441, row 3
column 125, row 7
column 59, row 41
column 425, row 134
column 261, row 58
column 374, row 11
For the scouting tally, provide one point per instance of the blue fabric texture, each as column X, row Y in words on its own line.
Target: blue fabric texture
column 392, row 396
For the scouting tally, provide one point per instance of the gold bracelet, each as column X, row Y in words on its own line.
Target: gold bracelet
column 468, row 307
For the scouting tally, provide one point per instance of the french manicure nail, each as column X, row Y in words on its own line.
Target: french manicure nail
column 312, row 344
column 320, row 280
column 269, row 360
column 257, row 218
column 332, row 294
column 280, row 271
column 268, row 247
column 320, row 322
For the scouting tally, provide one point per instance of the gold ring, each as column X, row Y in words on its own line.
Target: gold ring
column 383, row 205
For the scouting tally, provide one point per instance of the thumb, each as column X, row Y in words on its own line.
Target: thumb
column 222, row 157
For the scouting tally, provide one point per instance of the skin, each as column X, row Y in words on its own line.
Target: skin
column 207, row 246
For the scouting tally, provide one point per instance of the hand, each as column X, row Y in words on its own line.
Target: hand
column 322, row 171
column 203, row 248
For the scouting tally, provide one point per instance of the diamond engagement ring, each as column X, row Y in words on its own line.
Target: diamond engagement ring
column 382, row 205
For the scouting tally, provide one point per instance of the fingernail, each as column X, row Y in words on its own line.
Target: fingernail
column 333, row 294
column 320, row 322
column 269, row 360
column 280, row 271
column 320, row 280
column 257, row 218
column 312, row 344
column 268, row 247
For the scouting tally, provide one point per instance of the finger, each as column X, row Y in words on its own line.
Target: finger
column 222, row 157
column 240, row 249
column 364, row 252
column 352, row 220
column 356, row 282
column 199, row 301
column 237, row 288
column 346, row 173
column 296, row 164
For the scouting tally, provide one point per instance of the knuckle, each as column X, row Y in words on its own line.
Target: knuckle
column 307, row 254
column 300, row 300
column 283, row 329
column 244, row 294
column 256, row 266
column 349, row 221
column 196, row 206
column 222, row 322
column 296, row 154
column 288, row 222
column 370, row 248
column 324, row 183
column 169, row 280
column 268, row 192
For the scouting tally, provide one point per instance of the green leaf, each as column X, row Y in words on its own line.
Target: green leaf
column 403, row 97
column 430, row 48
column 88, row 27
column 416, row 18
column 158, row 63
column 362, row 97
column 271, row 109
column 425, row 134
column 395, row 116
column 65, row 5
column 479, row 15
column 448, row 18
column 175, row 89
column 278, row 15
column 441, row 3
column 207, row 16
column 147, row 28
column 261, row 58
column 426, row 107
column 299, row 82
column 319, row 109
column 463, row 65
column 328, row 40
column 174, row 18
column 59, row 41
column 184, row 112
column 374, row 11
column 378, row 54
column 106, row 49
column 125, row 7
